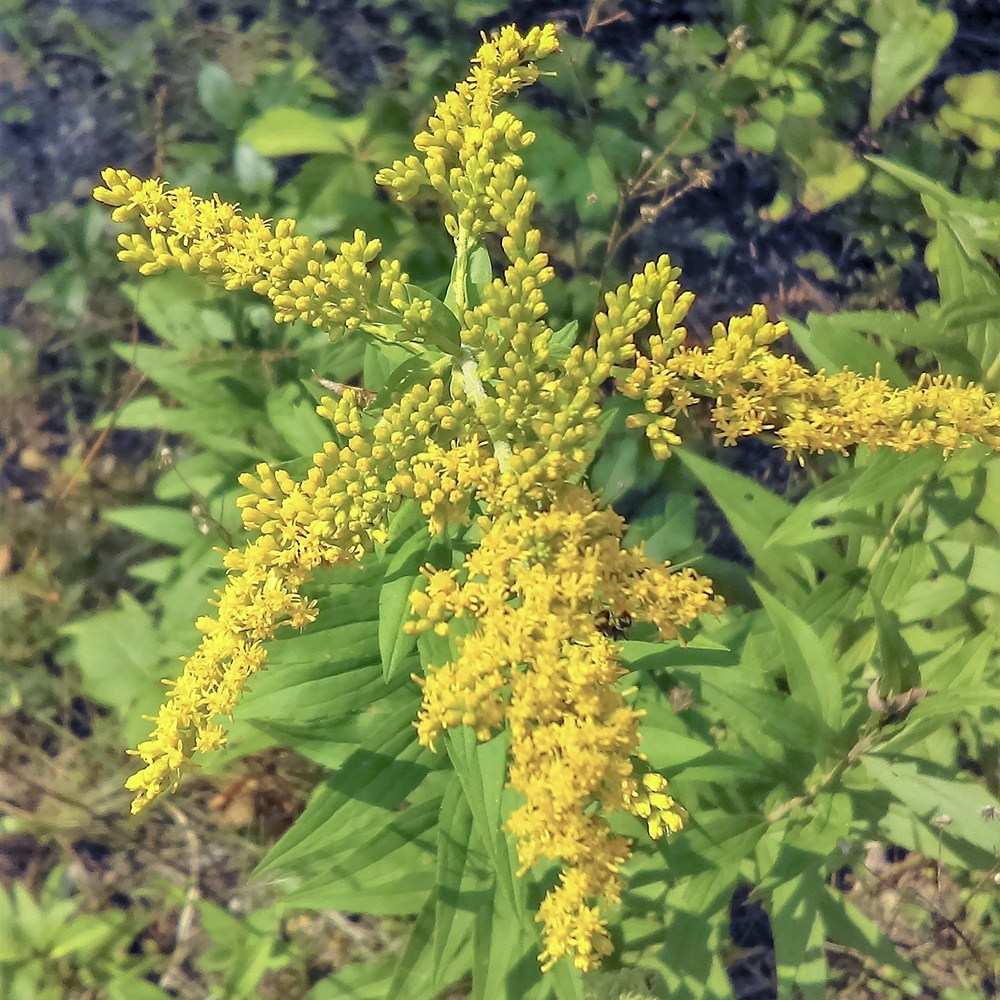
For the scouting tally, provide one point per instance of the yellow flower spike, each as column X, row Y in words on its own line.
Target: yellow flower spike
column 212, row 239
column 465, row 136
column 537, row 662
column 755, row 390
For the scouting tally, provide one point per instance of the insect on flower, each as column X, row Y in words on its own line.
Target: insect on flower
column 613, row 624
column 365, row 396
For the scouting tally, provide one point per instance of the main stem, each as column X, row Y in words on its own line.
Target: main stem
column 468, row 368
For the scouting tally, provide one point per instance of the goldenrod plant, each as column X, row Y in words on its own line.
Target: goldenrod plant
column 450, row 518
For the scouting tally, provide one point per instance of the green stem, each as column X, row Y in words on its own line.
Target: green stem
column 468, row 368
column 863, row 745
column 476, row 392
column 904, row 512
column 463, row 245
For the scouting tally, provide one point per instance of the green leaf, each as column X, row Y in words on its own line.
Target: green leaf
column 416, row 975
column 714, row 845
column 701, row 651
column 965, row 276
column 402, row 577
column 175, row 306
column 288, row 131
column 86, row 935
column 293, row 415
column 167, row 525
column 812, row 673
column 478, row 274
column 242, row 950
column 779, row 31
column 758, row 135
column 849, row 927
column 388, row 870
column 332, row 668
column 898, row 669
column 910, row 45
column 379, row 775
column 443, row 330
column 150, row 413
column 613, row 474
column 344, row 678
column 851, row 499
column 832, row 171
column 929, row 330
column 958, row 669
column 974, row 113
column 940, row 711
column 482, row 770
column 934, row 793
column 683, row 756
column 929, row 599
column 597, row 177
column 752, row 64
column 827, row 822
column 253, row 172
column 894, row 576
column 806, row 103
column 770, row 722
column 220, row 95
column 504, row 956
column 391, row 369
column 916, row 181
column 396, row 884
column 753, row 513
column 454, row 906
column 669, row 533
column 800, row 933
column 120, row 655
column 360, row 980
column 771, row 109
column 128, row 986
column 691, row 941
column 563, row 340
column 836, row 342
column 172, row 370
column 979, row 309
column 330, row 741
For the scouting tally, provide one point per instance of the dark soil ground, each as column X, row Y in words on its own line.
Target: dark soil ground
column 65, row 113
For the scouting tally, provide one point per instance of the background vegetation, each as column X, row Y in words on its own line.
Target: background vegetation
column 837, row 161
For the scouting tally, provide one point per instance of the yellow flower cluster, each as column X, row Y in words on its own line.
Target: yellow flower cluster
column 494, row 424
column 258, row 597
column 540, row 415
column 470, row 153
column 336, row 514
column 756, row 391
column 526, row 612
column 494, row 421
column 212, row 239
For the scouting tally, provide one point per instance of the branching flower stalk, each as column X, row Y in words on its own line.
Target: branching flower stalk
column 495, row 426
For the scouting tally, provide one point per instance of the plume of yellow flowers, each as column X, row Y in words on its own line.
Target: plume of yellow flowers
column 527, row 610
column 494, row 423
column 754, row 390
